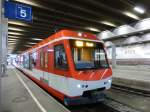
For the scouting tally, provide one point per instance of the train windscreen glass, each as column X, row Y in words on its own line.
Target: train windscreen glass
column 88, row 55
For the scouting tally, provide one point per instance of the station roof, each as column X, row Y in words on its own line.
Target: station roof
column 50, row 16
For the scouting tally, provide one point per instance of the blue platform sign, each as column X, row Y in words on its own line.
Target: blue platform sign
column 18, row 11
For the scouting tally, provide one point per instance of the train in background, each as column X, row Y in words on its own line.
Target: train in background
column 72, row 66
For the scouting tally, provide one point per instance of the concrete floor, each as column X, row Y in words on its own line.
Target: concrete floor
column 16, row 98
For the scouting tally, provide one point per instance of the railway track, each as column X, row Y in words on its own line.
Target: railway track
column 109, row 105
column 131, row 90
column 99, row 107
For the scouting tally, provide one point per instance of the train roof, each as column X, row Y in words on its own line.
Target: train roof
column 64, row 33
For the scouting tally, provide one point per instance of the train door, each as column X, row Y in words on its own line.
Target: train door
column 61, row 69
column 42, row 70
column 46, row 65
column 50, row 64
column 30, row 61
column 26, row 61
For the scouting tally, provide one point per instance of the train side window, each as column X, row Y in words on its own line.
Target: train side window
column 34, row 58
column 42, row 58
column 46, row 60
column 26, row 61
column 30, row 61
column 60, row 57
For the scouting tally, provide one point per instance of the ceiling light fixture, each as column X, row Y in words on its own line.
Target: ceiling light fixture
column 11, row 43
column 10, row 36
column 14, row 33
column 12, row 39
column 93, row 29
column 108, row 23
column 29, row 2
column 139, row 9
column 32, row 43
column 17, row 23
column 16, row 29
column 131, row 15
column 27, row 46
column 37, row 39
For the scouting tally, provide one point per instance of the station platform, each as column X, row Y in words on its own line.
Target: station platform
column 20, row 94
column 137, row 77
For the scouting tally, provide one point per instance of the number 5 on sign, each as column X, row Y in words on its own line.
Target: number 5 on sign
column 23, row 12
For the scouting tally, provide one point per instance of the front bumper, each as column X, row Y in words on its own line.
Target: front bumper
column 88, row 99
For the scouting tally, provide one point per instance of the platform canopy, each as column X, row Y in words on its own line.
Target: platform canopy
column 50, row 16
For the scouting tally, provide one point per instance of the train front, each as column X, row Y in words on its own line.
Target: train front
column 90, row 71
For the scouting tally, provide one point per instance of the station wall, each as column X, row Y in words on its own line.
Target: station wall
column 132, row 54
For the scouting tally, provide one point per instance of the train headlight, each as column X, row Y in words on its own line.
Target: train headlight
column 79, row 86
column 110, row 80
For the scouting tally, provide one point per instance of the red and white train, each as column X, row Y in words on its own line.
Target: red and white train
column 70, row 65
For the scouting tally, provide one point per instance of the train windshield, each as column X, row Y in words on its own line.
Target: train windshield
column 88, row 55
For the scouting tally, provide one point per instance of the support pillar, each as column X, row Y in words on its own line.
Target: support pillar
column 113, row 56
column 0, row 52
column 3, row 39
column 3, row 45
